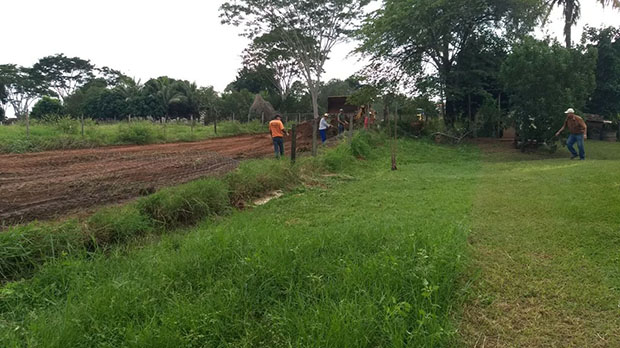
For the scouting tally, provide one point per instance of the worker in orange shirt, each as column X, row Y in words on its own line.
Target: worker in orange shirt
column 277, row 131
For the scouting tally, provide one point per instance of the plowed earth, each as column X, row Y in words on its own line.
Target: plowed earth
column 51, row 184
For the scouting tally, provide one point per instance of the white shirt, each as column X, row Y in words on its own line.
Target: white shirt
column 324, row 124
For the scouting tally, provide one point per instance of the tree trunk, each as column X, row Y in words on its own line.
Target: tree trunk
column 315, row 110
column 569, row 7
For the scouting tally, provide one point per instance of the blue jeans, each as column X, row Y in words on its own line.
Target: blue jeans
column 340, row 128
column 323, row 134
column 278, row 146
column 576, row 138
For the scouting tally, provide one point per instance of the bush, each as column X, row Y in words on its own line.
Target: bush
column 254, row 178
column 186, row 204
column 117, row 224
column 360, row 145
column 338, row 158
column 136, row 133
column 25, row 248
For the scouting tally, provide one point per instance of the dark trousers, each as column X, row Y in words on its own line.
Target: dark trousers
column 278, row 146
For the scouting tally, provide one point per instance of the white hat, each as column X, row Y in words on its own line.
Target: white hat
column 569, row 111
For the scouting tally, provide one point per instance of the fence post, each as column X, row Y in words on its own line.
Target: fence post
column 293, row 143
column 27, row 125
column 192, row 123
column 299, row 118
column 233, row 117
column 82, row 122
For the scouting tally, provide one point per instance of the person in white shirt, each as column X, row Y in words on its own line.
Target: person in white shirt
column 323, row 125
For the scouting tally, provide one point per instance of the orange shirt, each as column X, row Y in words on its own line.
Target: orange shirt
column 276, row 128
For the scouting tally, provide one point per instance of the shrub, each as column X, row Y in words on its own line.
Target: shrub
column 186, row 204
column 24, row 248
column 67, row 125
column 136, row 133
column 338, row 158
column 360, row 146
column 117, row 224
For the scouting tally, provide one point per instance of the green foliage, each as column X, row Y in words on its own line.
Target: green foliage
column 605, row 99
column 23, row 249
column 542, row 81
column 254, row 178
column 47, row 106
column 376, row 261
column 186, row 204
column 360, row 144
column 117, row 225
column 139, row 133
column 339, row 158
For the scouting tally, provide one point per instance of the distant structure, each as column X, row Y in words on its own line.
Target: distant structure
column 261, row 108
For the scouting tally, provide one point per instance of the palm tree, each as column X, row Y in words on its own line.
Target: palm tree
column 571, row 13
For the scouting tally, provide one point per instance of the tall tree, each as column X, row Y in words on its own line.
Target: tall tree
column 606, row 97
column 268, row 54
column 571, row 11
column 64, row 75
column 22, row 87
column 414, row 35
column 309, row 28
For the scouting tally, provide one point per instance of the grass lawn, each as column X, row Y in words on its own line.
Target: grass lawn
column 546, row 245
column 459, row 247
column 367, row 259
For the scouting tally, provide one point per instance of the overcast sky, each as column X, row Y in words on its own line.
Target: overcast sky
column 149, row 38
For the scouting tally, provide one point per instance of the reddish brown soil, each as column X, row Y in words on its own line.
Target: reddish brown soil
column 51, row 184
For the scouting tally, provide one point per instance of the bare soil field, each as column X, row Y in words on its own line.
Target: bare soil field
column 45, row 185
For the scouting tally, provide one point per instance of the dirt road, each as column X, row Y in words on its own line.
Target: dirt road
column 50, row 184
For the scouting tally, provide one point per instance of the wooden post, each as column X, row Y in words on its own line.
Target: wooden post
column 618, row 133
column 27, row 125
column 299, row 118
column 82, row 122
column 262, row 117
column 350, row 128
column 293, row 143
column 395, row 137
column 191, row 117
column 233, row 117
column 215, row 123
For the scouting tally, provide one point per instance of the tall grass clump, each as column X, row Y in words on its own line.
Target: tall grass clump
column 116, row 225
column 360, row 144
column 254, row 178
column 338, row 158
column 23, row 249
column 186, row 204
column 139, row 133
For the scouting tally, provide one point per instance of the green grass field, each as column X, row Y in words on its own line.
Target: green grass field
column 66, row 133
column 459, row 247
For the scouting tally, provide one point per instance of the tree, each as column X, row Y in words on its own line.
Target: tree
column 47, row 106
column 413, row 35
column 64, row 75
column 542, row 80
column 571, row 11
column 22, row 87
column 309, row 28
column 269, row 55
column 255, row 79
column 605, row 100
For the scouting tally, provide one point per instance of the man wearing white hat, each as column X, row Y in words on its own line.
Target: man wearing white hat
column 578, row 133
